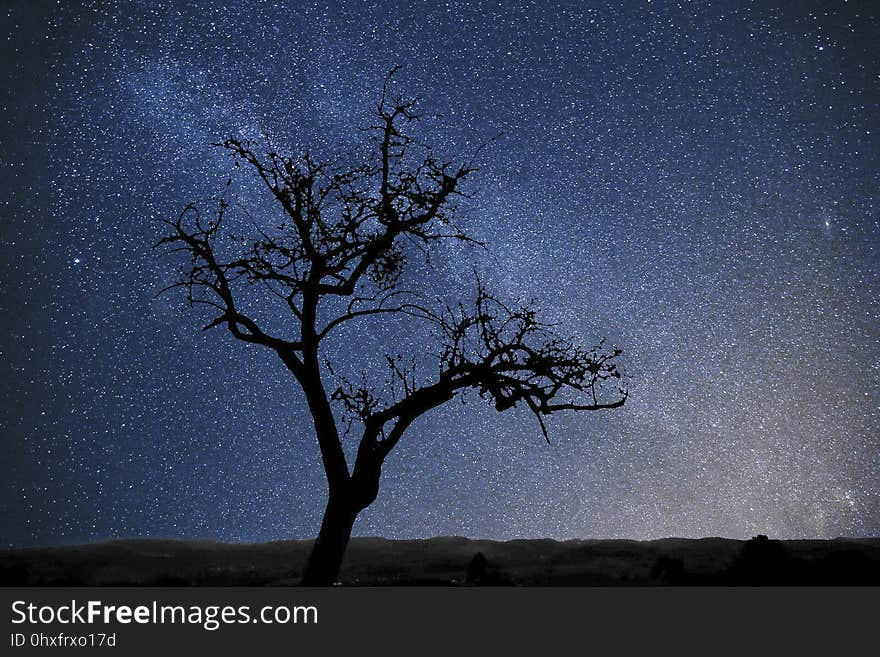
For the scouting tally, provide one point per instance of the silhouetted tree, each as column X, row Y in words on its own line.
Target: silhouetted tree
column 337, row 257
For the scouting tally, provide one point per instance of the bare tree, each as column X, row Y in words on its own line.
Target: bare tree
column 339, row 253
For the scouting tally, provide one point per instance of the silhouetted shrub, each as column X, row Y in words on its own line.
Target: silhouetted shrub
column 764, row 562
column 477, row 569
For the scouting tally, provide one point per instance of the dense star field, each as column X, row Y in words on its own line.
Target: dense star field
column 697, row 184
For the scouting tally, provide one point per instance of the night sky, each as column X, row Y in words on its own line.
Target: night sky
column 698, row 184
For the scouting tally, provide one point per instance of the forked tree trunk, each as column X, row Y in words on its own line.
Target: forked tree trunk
column 349, row 494
column 325, row 559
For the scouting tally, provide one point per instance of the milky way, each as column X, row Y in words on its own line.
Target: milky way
column 697, row 184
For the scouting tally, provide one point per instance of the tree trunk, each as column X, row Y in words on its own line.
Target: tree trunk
column 325, row 559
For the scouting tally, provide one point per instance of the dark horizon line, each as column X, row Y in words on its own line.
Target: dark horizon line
column 230, row 543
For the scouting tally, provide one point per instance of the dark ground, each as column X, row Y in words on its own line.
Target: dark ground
column 455, row 561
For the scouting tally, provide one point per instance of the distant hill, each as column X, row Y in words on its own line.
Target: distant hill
column 452, row 561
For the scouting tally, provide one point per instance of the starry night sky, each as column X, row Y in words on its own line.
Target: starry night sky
column 698, row 184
